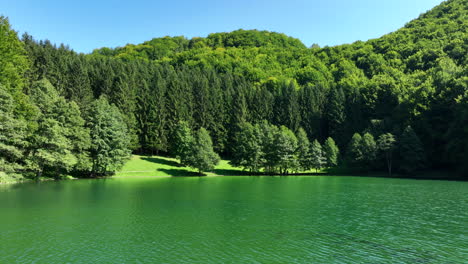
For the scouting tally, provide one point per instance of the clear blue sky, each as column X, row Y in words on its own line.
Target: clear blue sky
column 88, row 24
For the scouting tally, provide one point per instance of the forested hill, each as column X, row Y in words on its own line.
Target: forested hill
column 411, row 83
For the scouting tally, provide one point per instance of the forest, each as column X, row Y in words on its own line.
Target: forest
column 261, row 99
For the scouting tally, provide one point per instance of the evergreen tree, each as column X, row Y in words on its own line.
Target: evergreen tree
column 336, row 115
column 284, row 153
column 331, row 152
column 316, row 153
column 303, row 150
column 368, row 149
column 411, row 152
column 203, row 156
column 386, row 144
column 183, row 142
column 247, row 149
column 109, row 140
column 354, row 153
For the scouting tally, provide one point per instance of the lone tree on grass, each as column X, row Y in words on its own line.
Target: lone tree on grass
column 202, row 155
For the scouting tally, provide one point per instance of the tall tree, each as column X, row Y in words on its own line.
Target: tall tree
column 203, row 156
column 303, row 150
column 109, row 140
column 386, row 143
column 51, row 150
column 13, row 133
column 247, row 148
column 368, row 149
column 183, row 142
column 331, row 152
column 411, row 152
column 318, row 160
column 354, row 153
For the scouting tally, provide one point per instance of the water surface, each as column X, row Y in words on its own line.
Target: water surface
column 235, row 220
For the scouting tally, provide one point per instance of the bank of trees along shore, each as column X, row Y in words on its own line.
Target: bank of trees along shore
column 415, row 77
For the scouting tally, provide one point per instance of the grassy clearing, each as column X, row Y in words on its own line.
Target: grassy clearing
column 155, row 166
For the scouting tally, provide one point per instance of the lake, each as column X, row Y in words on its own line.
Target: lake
column 235, row 220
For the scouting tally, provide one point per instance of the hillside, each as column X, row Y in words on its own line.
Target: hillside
column 411, row 83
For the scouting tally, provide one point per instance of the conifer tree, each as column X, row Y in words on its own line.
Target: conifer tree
column 368, row 149
column 284, row 152
column 354, row 153
column 183, row 142
column 247, row 149
column 203, row 156
column 303, row 150
column 386, row 143
column 411, row 152
column 331, row 152
column 316, row 153
column 109, row 140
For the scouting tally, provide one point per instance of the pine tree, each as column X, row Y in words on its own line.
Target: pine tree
column 354, row 153
column 411, row 152
column 183, row 142
column 109, row 140
column 386, row 143
column 203, row 156
column 284, row 153
column 331, row 152
column 336, row 115
column 303, row 150
column 368, row 149
column 316, row 153
column 247, row 150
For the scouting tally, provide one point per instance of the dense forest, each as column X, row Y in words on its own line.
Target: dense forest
column 399, row 101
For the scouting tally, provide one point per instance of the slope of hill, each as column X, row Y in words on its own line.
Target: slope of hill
column 411, row 83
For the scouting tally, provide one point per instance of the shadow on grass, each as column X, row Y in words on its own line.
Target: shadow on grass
column 162, row 161
column 180, row 173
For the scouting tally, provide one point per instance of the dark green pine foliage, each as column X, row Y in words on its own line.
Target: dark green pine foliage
column 368, row 149
column 284, row 151
column 203, row 157
column 355, row 156
column 109, row 138
column 318, row 160
column 182, row 142
column 336, row 115
column 386, row 143
column 303, row 150
column 247, row 149
column 412, row 156
column 331, row 152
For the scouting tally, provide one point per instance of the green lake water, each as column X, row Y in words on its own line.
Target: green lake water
column 235, row 220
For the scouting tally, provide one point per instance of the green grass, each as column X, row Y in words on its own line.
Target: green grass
column 155, row 166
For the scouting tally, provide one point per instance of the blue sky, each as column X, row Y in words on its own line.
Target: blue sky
column 88, row 24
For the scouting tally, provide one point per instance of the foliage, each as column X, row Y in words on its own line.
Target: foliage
column 415, row 76
column 109, row 139
column 411, row 152
column 317, row 156
column 203, row 156
column 385, row 144
column 331, row 152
